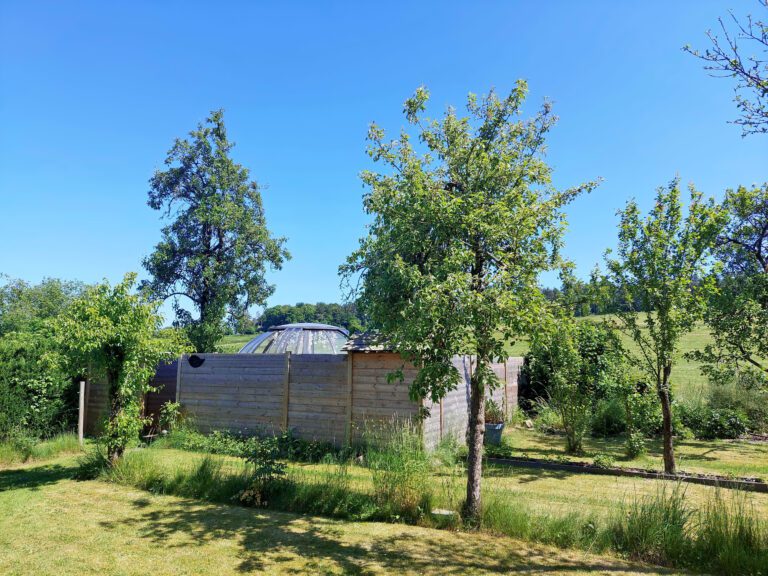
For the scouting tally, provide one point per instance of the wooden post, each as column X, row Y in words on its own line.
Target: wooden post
column 441, row 418
column 506, row 389
column 81, row 413
column 348, row 427
column 286, row 388
column 178, row 377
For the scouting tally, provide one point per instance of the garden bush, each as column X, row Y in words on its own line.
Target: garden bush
column 708, row 423
column 609, row 418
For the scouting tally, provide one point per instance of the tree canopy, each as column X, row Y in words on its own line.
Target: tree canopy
column 215, row 251
column 464, row 220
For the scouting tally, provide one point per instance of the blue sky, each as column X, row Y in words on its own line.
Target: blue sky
column 92, row 95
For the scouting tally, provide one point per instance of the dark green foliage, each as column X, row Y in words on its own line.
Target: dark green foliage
column 598, row 350
column 609, row 418
column 344, row 315
column 216, row 250
column 746, row 393
column 26, row 307
column 708, row 423
column 233, row 444
column 36, row 393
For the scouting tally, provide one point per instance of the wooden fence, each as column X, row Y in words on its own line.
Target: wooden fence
column 323, row 397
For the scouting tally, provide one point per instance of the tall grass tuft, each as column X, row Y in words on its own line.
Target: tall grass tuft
column 22, row 447
column 731, row 538
column 400, row 469
column 653, row 528
column 504, row 514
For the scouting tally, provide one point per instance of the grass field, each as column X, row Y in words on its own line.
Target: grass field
column 725, row 457
column 232, row 344
column 50, row 524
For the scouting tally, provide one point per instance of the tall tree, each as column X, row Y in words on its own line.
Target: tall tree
column 113, row 335
column 217, row 247
column 661, row 265
column 727, row 57
column 459, row 236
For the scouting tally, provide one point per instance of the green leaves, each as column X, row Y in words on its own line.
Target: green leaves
column 461, row 230
column 215, row 251
column 113, row 335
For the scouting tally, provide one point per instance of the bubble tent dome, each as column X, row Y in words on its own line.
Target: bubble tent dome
column 299, row 339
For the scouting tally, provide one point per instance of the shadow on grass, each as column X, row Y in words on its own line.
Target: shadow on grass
column 269, row 541
column 36, row 477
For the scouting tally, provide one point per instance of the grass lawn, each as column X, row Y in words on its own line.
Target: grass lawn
column 547, row 492
column 725, row 457
column 50, row 524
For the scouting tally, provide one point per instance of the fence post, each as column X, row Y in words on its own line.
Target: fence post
column 286, row 388
column 81, row 413
column 348, row 427
column 178, row 377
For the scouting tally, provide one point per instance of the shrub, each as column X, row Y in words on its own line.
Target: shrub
column 170, row 415
column 634, row 445
column 723, row 423
column 746, row 393
column 603, row 460
column 267, row 471
column 709, row 423
column 609, row 418
column 547, row 420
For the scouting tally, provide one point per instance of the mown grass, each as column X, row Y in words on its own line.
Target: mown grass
column 23, row 450
column 51, row 524
column 723, row 457
column 569, row 511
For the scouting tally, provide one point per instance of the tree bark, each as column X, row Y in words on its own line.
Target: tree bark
column 473, row 503
column 114, row 450
column 666, row 411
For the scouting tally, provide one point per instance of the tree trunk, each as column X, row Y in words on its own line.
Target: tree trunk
column 473, row 503
column 666, row 411
column 114, row 448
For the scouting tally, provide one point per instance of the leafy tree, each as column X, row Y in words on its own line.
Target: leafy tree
column 727, row 58
column 26, row 307
column 459, row 236
column 37, row 395
column 738, row 313
column 344, row 315
column 216, row 249
column 661, row 264
column 113, row 335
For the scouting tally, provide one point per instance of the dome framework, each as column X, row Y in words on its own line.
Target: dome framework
column 304, row 338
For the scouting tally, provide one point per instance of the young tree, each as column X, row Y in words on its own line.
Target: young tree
column 113, row 335
column 459, row 236
column 662, row 265
column 728, row 58
column 217, row 247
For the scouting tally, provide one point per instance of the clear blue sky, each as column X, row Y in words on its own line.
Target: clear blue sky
column 93, row 93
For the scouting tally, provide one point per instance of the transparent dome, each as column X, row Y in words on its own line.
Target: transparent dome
column 298, row 339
